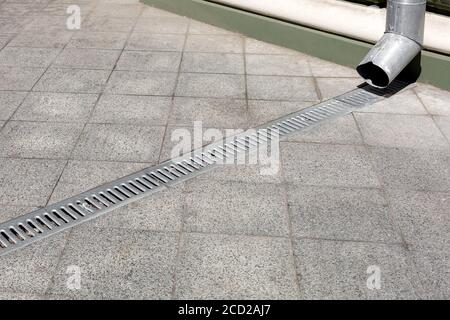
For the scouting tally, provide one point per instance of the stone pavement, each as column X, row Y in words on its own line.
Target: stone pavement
column 368, row 191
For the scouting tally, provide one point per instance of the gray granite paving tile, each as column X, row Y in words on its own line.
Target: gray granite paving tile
column 322, row 68
column 277, row 65
column 60, row 9
column 72, row 80
column 19, row 78
column 281, row 88
column 340, row 214
column 41, row 40
column 260, row 47
column 108, row 24
column 220, row 113
column 87, row 58
column 98, row 40
column 413, row 169
column 142, row 83
column 9, row 101
column 339, row 270
column 213, row 63
column 119, row 143
column 1, row 124
column 8, row 212
column 400, row 131
column 435, row 100
column 8, row 9
column 117, row 10
column 214, row 43
column 341, row 130
column 261, row 111
column 405, row 102
column 431, row 263
column 5, row 39
column 173, row 25
column 236, row 208
column 235, row 267
column 423, row 217
column 443, row 124
column 197, row 27
column 27, row 57
column 150, row 12
column 118, row 265
column 19, row 296
column 30, row 269
column 49, row 23
column 211, row 85
column 149, row 61
column 329, row 165
column 145, row 110
column 46, row 106
column 39, row 139
column 162, row 42
column 330, row 87
column 28, row 182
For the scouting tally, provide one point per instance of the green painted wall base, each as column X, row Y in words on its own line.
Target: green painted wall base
column 334, row 48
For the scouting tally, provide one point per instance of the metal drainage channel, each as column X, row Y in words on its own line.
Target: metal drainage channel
column 29, row 228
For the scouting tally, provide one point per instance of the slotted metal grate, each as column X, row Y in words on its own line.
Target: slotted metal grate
column 31, row 227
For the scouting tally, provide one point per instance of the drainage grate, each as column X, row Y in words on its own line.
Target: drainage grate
column 31, row 227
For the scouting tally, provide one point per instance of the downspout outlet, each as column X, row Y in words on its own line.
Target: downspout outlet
column 400, row 44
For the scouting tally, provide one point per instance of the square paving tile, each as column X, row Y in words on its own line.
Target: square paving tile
column 9, row 101
column 211, row 85
column 340, row 270
column 150, row 12
column 423, row 217
column 119, row 143
column 236, row 208
column 79, row 176
column 341, row 214
column 87, row 58
column 260, row 47
column 281, row 88
column 149, row 61
column 443, row 124
column 432, row 266
column 277, row 65
column 135, row 265
column 63, row 107
column 322, row 68
column 27, row 57
column 261, row 111
column 197, row 27
column 413, row 169
column 5, row 39
column 19, row 78
column 142, row 83
column 434, row 99
column 213, row 63
column 30, row 270
column 108, row 24
column 220, row 113
column 342, row 130
column 119, row 9
column 401, row 131
column 28, row 182
column 176, row 25
column 42, row 40
column 145, row 110
column 214, row 43
column 405, row 102
column 72, row 80
column 232, row 267
column 157, row 42
column 11, row 212
column 39, row 139
column 330, row 87
column 98, row 40
column 329, row 165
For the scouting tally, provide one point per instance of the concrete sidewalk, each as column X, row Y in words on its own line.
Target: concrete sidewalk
column 79, row 108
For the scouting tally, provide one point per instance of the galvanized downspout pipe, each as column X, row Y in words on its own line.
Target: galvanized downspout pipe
column 400, row 44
